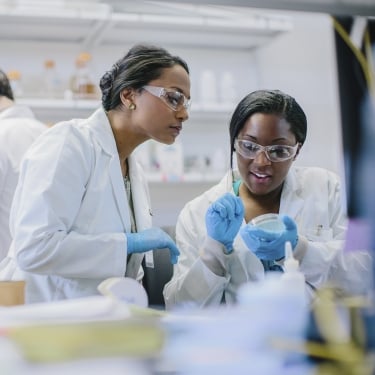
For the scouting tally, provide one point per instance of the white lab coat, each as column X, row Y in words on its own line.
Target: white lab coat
column 70, row 212
column 18, row 130
column 311, row 196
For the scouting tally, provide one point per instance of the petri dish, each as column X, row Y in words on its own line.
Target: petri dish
column 269, row 222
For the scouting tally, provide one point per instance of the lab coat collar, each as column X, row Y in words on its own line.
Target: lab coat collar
column 100, row 126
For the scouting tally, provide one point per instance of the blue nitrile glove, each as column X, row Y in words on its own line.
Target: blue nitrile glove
column 267, row 245
column 152, row 239
column 224, row 218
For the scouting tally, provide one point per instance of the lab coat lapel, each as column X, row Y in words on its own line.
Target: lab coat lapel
column 140, row 194
column 101, row 128
column 142, row 214
column 119, row 192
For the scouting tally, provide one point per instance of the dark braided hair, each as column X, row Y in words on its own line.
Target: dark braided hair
column 5, row 88
column 142, row 64
column 269, row 102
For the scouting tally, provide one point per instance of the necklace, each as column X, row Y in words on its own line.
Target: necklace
column 127, row 185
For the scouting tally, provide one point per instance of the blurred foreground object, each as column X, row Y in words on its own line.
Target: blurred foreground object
column 355, row 40
column 91, row 327
column 341, row 334
column 50, row 342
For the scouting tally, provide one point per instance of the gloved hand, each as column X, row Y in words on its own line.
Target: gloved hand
column 152, row 239
column 267, row 245
column 224, row 218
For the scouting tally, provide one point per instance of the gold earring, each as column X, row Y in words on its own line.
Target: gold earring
column 132, row 106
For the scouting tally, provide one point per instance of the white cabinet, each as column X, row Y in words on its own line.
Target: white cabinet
column 91, row 24
column 54, row 110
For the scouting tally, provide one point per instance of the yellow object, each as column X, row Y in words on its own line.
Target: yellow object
column 49, row 64
column 84, row 57
column 81, row 82
column 343, row 350
column 14, row 75
column 52, row 343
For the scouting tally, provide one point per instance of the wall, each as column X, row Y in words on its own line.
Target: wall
column 300, row 62
column 303, row 64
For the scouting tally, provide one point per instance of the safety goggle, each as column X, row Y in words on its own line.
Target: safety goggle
column 274, row 153
column 175, row 100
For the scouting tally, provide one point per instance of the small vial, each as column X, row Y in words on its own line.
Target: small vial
column 15, row 82
column 51, row 79
column 82, row 85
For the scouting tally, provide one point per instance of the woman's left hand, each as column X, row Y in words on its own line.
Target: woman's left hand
column 268, row 245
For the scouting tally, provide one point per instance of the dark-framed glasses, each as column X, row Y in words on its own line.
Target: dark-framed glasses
column 175, row 100
column 274, row 153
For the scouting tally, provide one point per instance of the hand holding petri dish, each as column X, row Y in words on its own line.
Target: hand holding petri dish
column 269, row 222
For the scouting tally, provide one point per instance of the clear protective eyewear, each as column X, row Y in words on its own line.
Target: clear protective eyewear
column 175, row 100
column 274, row 153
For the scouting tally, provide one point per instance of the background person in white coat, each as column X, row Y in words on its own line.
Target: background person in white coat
column 220, row 252
column 18, row 130
column 81, row 212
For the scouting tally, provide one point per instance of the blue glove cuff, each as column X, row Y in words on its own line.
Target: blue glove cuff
column 132, row 242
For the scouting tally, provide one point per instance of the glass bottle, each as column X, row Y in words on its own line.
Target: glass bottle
column 82, row 85
column 51, row 79
column 15, row 82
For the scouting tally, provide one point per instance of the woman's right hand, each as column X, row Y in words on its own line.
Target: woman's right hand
column 224, row 218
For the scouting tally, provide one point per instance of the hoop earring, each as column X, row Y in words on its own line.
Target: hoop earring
column 132, row 107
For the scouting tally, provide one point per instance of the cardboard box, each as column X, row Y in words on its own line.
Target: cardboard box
column 12, row 293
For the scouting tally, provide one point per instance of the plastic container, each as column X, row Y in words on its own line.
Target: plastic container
column 269, row 222
column 293, row 278
column 81, row 83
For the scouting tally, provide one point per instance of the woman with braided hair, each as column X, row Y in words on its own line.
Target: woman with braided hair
column 81, row 211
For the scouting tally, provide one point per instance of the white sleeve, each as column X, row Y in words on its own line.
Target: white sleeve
column 328, row 264
column 4, row 162
column 48, row 200
column 323, row 258
column 193, row 282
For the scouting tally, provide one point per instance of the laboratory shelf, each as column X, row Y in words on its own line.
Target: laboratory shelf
column 47, row 103
column 52, row 110
column 92, row 24
column 187, row 178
